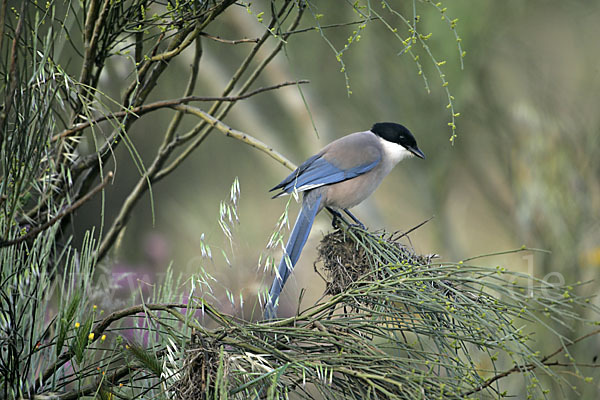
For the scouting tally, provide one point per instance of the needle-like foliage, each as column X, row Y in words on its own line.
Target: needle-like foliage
column 398, row 325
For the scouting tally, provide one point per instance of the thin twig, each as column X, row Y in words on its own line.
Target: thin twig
column 501, row 253
column 59, row 216
column 413, row 228
column 191, row 85
column 316, row 28
column 169, row 54
column 529, row 367
column 138, row 111
column 236, row 41
column 579, row 339
column 233, row 133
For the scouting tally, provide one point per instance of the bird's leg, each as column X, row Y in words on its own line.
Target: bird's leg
column 358, row 223
column 337, row 215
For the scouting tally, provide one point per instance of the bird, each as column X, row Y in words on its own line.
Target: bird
column 339, row 177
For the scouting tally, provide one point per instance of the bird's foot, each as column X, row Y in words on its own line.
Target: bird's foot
column 357, row 223
column 338, row 221
column 359, row 226
column 337, row 217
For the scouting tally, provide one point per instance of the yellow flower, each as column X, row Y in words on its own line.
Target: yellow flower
column 91, row 336
column 76, row 325
column 103, row 338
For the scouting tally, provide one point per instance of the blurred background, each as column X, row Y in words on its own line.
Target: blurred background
column 523, row 170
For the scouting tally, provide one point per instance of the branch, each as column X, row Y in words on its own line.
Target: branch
column 135, row 96
column 167, row 148
column 229, row 132
column 155, row 173
column 91, row 165
column 93, row 387
column 529, row 367
column 117, row 315
column 61, row 215
column 288, row 33
column 99, row 330
column 317, row 28
column 123, row 371
column 191, row 85
column 138, row 111
column 167, row 55
column 93, row 25
column 232, row 82
column 237, row 41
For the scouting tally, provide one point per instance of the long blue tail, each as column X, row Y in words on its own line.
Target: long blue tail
column 293, row 248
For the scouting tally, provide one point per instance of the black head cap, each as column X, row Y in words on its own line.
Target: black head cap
column 399, row 134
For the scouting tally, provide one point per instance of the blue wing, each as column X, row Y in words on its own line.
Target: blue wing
column 317, row 171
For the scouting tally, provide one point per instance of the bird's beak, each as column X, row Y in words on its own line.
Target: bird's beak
column 416, row 151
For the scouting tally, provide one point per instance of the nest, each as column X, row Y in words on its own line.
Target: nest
column 200, row 370
column 345, row 261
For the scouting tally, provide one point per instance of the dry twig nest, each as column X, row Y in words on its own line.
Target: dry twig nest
column 200, row 370
column 345, row 261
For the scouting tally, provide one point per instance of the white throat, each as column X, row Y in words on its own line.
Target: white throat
column 394, row 153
